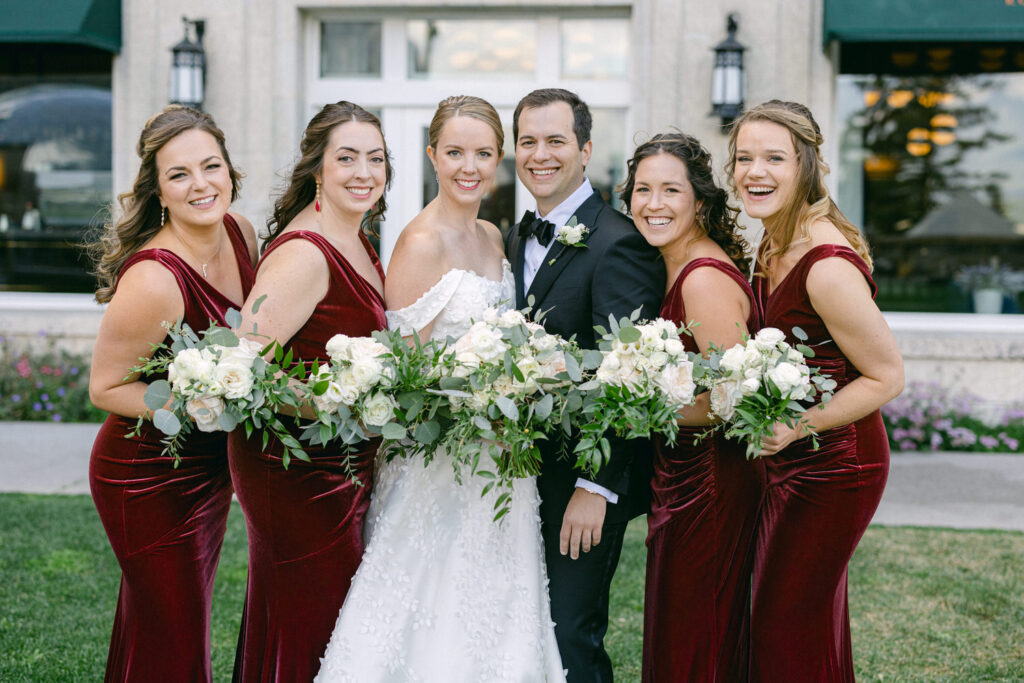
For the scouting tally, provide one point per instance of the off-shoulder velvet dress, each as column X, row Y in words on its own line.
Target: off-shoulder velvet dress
column 817, row 505
column 305, row 523
column 704, row 500
column 166, row 524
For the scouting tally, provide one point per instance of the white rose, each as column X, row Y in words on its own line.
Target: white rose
column 546, row 342
column 486, row 342
column 348, row 387
column 674, row 347
column 553, row 365
column 245, row 352
column 651, row 339
column 235, row 377
column 338, row 347
column 511, row 318
column 676, row 381
column 571, row 234
column 378, row 410
column 753, row 357
column 607, row 372
column 750, row 385
column 724, row 396
column 189, row 364
column 794, row 356
column 328, row 401
column 785, row 376
column 366, row 372
column 491, row 315
column 479, row 401
column 732, row 360
column 768, row 338
column 205, row 410
column 506, row 386
column 366, row 347
column 658, row 359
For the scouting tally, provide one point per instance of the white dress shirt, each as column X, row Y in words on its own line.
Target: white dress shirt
column 533, row 258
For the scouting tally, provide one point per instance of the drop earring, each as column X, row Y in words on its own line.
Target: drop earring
column 316, row 206
column 162, row 209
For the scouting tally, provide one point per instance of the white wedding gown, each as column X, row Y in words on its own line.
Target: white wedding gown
column 444, row 593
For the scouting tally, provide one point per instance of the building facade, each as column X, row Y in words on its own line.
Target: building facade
column 916, row 100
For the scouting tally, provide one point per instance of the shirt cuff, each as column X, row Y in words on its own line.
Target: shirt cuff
column 588, row 485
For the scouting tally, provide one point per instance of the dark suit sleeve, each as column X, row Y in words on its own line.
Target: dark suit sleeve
column 630, row 274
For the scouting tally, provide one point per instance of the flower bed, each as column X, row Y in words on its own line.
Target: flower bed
column 926, row 418
column 45, row 384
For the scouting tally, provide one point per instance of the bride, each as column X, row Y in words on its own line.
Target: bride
column 443, row 592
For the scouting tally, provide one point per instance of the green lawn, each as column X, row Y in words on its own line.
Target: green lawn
column 926, row 604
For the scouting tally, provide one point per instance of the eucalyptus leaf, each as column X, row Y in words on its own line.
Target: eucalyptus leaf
column 233, row 318
column 256, row 304
column 393, row 431
column 167, row 422
column 507, row 407
column 427, row 432
column 572, row 367
column 799, row 333
column 157, row 395
column 227, row 421
column 806, row 350
column 222, row 337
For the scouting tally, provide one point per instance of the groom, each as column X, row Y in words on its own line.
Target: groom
column 610, row 270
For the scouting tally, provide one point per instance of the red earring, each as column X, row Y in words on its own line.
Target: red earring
column 316, row 206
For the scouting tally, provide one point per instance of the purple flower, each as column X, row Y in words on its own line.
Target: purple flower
column 73, row 370
column 44, row 397
column 1010, row 442
column 49, row 406
column 16, row 398
column 989, row 441
column 962, row 436
column 936, row 440
column 57, row 417
column 37, row 406
column 60, row 391
column 908, row 445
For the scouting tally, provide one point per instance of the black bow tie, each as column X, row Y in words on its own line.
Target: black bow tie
column 531, row 226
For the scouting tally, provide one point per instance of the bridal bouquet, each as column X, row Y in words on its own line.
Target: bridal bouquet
column 763, row 381
column 643, row 376
column 509, row 384
column 218, row 381
column 353, row 391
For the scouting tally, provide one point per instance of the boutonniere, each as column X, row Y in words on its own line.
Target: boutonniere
column 572, row 234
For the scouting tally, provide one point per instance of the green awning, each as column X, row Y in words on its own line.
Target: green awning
column 872, row 21
column 96, row 23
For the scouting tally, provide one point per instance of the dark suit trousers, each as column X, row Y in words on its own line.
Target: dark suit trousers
column 579, row 600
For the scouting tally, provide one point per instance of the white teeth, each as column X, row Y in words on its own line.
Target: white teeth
column 659, row 221
column 359, row 192
column 468, row 184
column 544, row 171
column 760, row 190
column 202, row 203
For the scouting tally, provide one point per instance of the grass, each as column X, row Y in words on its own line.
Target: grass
column 926, row 604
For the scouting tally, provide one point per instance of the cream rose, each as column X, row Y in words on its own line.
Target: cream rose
column 378, row 410
column 205, row 410
column 724, row 397
column 768, row 338
column 235, row 377
column 785, row 376
column 676, row 381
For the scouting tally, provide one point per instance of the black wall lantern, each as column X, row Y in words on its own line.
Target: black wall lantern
column 188, row 66
column 727, row 78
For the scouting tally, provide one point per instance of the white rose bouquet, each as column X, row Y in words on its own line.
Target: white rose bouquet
column 217, row 381
column 353, row 392
column 763, row 381
column 643, row 377
column 509, row 384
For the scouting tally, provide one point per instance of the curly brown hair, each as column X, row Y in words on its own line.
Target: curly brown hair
column 301, row 189
column 140, row 208
column 715, row 217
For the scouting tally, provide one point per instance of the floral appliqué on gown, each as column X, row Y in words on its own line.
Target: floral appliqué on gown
column 444, row 593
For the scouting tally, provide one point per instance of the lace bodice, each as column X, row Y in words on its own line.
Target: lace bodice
column 454, row 302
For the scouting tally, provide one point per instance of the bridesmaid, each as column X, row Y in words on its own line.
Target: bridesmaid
column 705, row 494
column 813, row 271
column 320, row 277
column 175, row 252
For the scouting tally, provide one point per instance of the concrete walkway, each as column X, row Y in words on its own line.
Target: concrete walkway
column 957, row 490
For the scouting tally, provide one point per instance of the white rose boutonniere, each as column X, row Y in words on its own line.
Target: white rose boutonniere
column 572, row 234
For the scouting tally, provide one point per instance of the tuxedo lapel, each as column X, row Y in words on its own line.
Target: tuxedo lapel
column 517, row 253
column 562, row 254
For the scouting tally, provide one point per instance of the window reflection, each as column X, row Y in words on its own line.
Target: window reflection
column 608, row 161
column 350, row 48
column 932, row 166
column 595, row 48
column 481, row 47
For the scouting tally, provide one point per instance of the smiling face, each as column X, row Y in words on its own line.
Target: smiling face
column 194, row 179
column 353, row 172
column 663, row 203
column 766, row 168
column 466, row 159
column 549, row 160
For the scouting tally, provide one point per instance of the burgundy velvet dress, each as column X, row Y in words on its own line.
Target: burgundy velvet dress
column 166, row 525
column 817, row 505
column 305, row 523
column 704, row 501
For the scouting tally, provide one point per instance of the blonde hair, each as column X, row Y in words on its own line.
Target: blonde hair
column 464, row 105
column 140, row 207
column 810, row 201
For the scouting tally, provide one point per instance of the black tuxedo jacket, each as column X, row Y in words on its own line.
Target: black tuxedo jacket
column 616, row 272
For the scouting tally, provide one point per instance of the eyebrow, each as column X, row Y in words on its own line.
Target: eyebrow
column 342, row 148
column 185, row 168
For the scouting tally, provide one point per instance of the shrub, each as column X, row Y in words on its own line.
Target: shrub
column 926, row 418
column 46, row 384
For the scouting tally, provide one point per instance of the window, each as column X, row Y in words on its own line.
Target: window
column 401, row 64
column 932, row 166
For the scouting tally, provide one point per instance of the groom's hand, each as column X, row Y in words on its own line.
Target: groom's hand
column 582, row 522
